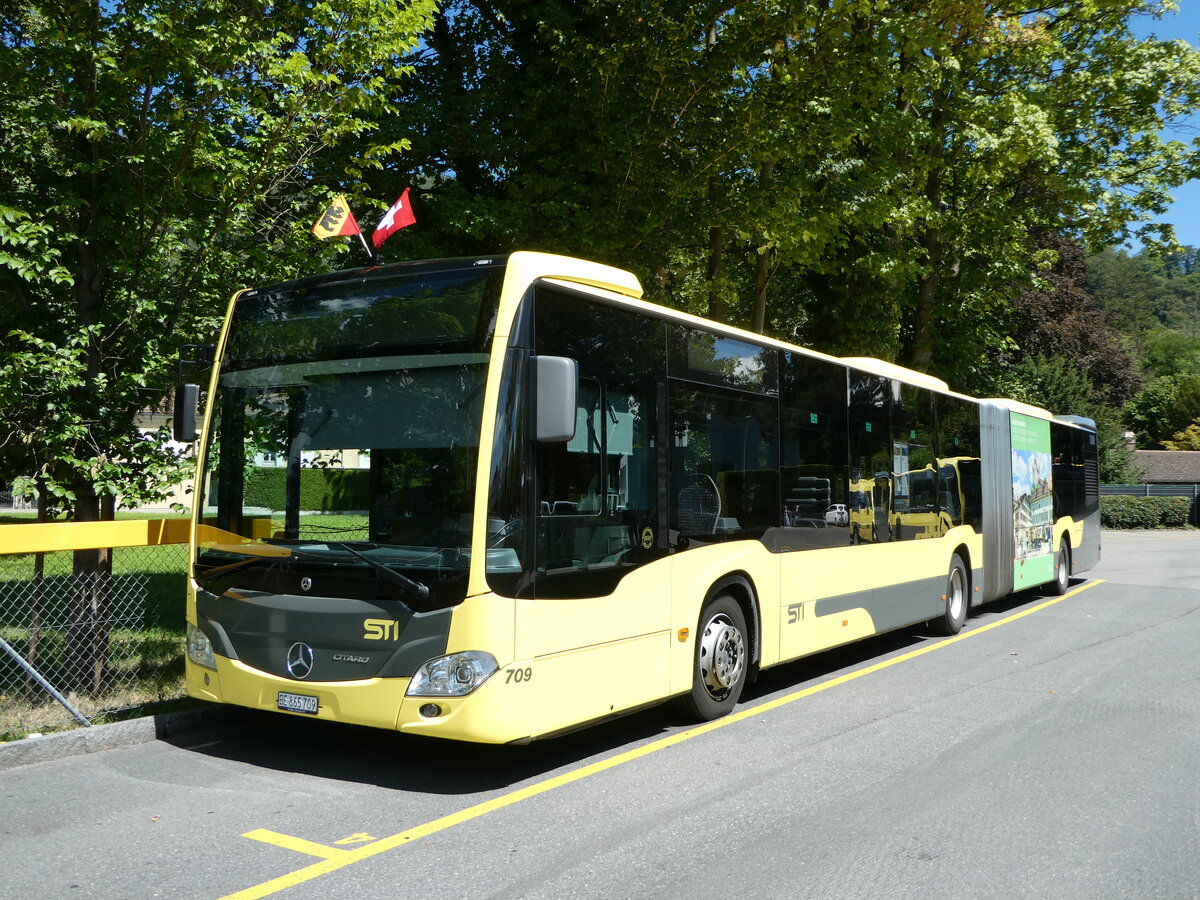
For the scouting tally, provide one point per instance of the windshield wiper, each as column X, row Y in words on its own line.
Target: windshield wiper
column 411, row 588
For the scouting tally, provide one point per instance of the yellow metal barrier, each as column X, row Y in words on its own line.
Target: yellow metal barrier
column 49, row 537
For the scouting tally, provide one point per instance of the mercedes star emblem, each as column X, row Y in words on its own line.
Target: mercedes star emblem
column 306, row 583
column 299, row 660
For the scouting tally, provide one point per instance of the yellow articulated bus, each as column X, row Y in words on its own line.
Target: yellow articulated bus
column 496, row 499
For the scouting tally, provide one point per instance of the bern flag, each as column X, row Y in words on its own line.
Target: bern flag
column 337, row 221
column 399, row 215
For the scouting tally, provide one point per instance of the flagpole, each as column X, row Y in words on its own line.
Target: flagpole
column 371, row 255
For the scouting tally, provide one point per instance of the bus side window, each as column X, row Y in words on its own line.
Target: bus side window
column 724, row 464
column 870, row 459
column 914, row 453
column 597, row 494
column 960, row 484
column 813, row 476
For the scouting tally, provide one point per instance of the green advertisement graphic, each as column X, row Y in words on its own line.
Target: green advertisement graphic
column 1033, row 501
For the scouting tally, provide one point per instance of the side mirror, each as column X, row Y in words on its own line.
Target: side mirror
column 187, row 396
column 187, row 399
column 556, row 382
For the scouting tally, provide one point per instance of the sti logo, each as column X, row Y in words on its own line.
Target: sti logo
column 381, row 630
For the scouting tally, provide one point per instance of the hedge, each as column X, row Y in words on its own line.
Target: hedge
column 327, row 490
column 1145, row 512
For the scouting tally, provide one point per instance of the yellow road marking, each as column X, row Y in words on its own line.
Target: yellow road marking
column 337, row 859
column 361, row 838
column 300, row 845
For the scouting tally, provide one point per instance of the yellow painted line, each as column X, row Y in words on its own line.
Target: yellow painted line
column 50, row 537
column 349, row 857
column 361, row 838
column 300, row 845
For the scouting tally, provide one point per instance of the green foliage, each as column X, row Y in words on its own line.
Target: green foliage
column 863, row 177
column 1154, row 300
column 1145, row 512
column 158, row 156
column 1058, row 318
column 1050, row 382
column 866, row 177
column 1188, row 439
column 1165, row 407
column 1168, row 351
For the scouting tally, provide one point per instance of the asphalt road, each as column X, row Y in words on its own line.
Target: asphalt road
column 1051, row 750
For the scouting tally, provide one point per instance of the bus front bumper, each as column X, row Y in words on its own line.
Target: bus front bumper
column 488, row 715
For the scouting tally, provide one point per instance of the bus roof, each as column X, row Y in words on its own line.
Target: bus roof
column 1018, row 407
column 368, row 273
column 891, row 370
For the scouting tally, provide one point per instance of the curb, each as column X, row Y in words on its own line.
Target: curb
column 99, row 738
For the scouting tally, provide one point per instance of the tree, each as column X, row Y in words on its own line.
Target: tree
column 1057, row 317
column 1188, row 439
column 1127, row 290
column 1019, row 121
column 860, row 176
column 1155, row 302
column 1163, row 408
column 157, row 155
column 1167, row 351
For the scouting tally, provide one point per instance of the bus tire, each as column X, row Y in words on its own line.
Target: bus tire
column 1062, row 569
column 955, row 614
column 722, row 659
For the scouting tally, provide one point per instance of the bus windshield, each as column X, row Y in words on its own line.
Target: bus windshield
column 342, row 455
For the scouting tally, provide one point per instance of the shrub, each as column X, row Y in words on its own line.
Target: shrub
column 1145, row 512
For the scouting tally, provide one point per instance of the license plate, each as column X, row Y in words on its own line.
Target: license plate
column 301, row 703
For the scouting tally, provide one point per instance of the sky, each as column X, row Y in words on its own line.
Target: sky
column 1184, row 214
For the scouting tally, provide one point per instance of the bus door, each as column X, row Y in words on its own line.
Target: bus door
column 595, row 614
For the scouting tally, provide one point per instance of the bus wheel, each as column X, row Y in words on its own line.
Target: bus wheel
column 1062, row 570
column 951, row 620
column 721, row 661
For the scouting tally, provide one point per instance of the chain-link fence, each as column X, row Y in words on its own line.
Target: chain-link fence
column 12, row 501
column 107, row 634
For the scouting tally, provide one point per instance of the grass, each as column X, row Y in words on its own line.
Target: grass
column 149, row 668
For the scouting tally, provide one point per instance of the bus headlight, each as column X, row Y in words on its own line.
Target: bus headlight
column 455, row 675
column 200, row 648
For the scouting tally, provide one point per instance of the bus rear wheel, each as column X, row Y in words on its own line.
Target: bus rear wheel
column 721, row 660
column 1062, row 570
column 955, row 614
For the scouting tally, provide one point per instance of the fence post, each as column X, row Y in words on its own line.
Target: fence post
column 49, row 688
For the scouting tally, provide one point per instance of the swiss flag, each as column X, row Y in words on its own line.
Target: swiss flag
column 399, row 215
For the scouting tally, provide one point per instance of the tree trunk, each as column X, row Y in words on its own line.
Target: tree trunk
column 762, row 268
column 92, row 569
column 929, row 285
column 762, row 262
column 92, row 572
column 37, row 596
column 717, row 309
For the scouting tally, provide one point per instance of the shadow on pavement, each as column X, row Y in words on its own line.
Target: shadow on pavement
column 404, row 762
